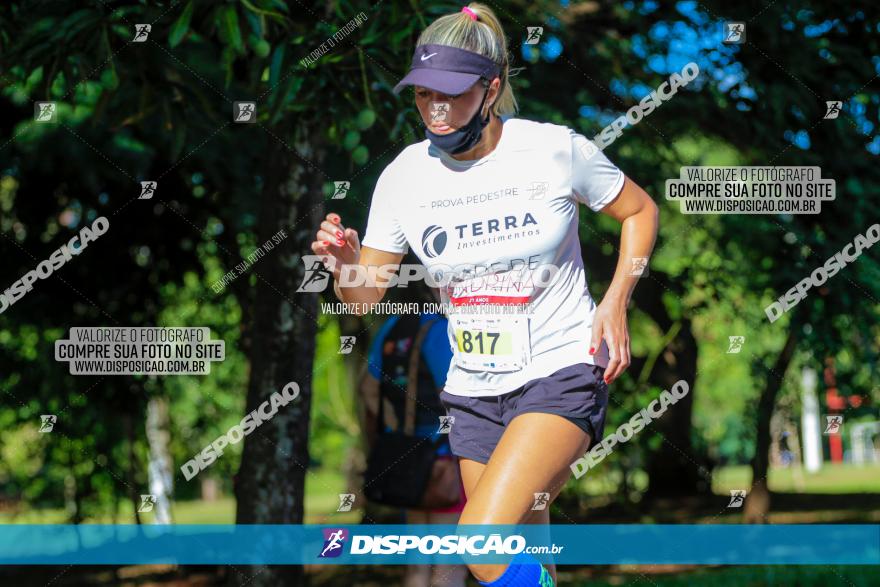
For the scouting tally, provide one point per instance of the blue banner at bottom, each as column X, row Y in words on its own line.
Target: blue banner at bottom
column 636, row 544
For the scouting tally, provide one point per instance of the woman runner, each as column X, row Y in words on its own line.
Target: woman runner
column 489, row 204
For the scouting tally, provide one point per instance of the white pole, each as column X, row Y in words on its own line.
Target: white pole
column 855, row 441
column 812, row 435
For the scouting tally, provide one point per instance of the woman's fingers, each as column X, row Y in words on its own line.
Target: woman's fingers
column 596, row 339
column 329, row 238
column 352, row 237
column 619, row 350
column 332, row 242
column 613, row 356
column 331, row 232
column 333, row 222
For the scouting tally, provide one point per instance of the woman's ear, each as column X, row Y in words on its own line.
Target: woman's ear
column 494, row 90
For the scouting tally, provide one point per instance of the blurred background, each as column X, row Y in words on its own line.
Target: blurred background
column 131, row 109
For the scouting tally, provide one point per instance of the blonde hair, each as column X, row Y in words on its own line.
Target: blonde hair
column 484, row 36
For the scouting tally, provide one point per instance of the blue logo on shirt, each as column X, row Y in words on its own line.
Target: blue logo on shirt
column 433, row 241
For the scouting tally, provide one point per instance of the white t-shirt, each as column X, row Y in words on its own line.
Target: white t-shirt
column 487, row 228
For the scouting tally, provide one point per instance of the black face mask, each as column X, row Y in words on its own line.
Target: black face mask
column 466, row 137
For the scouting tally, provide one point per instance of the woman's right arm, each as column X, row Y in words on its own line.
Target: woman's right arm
column 343, row 246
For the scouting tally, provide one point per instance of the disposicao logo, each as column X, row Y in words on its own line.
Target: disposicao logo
column 333, row 542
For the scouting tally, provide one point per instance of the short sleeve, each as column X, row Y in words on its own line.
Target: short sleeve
column 437, row 352
column 383, row 229
column 595, row 180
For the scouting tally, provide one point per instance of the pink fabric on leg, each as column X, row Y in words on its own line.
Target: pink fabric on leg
column 459, row 507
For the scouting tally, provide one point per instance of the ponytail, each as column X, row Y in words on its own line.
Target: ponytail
column 484, row 36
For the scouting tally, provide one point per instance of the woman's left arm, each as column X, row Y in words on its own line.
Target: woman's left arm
column 637, row 214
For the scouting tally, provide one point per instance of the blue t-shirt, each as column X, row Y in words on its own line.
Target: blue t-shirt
column 435, row 351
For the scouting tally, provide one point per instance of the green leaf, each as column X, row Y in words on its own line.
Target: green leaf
column 275, row 67
column 253, row 20
column 78, row 22
column 294, row 88
column 398, row 37
column 180, row 26
column 110, row 79
column 228, row 59
column 233, row 32
column 283, row 97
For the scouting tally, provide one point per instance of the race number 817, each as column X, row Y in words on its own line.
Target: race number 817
column 484, row 342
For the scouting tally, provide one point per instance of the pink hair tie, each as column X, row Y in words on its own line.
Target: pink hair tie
column 469, row 12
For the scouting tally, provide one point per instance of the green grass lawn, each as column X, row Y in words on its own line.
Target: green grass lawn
column 322, row 498
column 324, row 485
column 843, row 478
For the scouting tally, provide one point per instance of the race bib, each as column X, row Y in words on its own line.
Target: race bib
column 491, row 343
column 489, row 315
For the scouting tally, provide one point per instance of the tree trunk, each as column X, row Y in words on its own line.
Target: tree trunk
column 72, row 494
column 675, row 468
column 758, row 500
column 270, row 484
column 159, row 470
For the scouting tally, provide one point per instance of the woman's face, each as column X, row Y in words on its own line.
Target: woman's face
column 443, row 113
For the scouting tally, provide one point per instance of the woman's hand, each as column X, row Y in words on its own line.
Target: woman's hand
column 609, row 323
column 638, row 216
column 341, row 244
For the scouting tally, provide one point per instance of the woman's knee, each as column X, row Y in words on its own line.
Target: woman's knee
column 531, row 570
column 487, row 573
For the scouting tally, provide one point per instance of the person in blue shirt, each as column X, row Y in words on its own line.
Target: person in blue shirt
column 394, row 337
column 387, row 369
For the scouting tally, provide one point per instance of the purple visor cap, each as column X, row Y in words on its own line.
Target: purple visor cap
column 448, row 70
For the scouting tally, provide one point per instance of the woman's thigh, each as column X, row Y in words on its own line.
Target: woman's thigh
column 533, row 456
column 471, row 471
